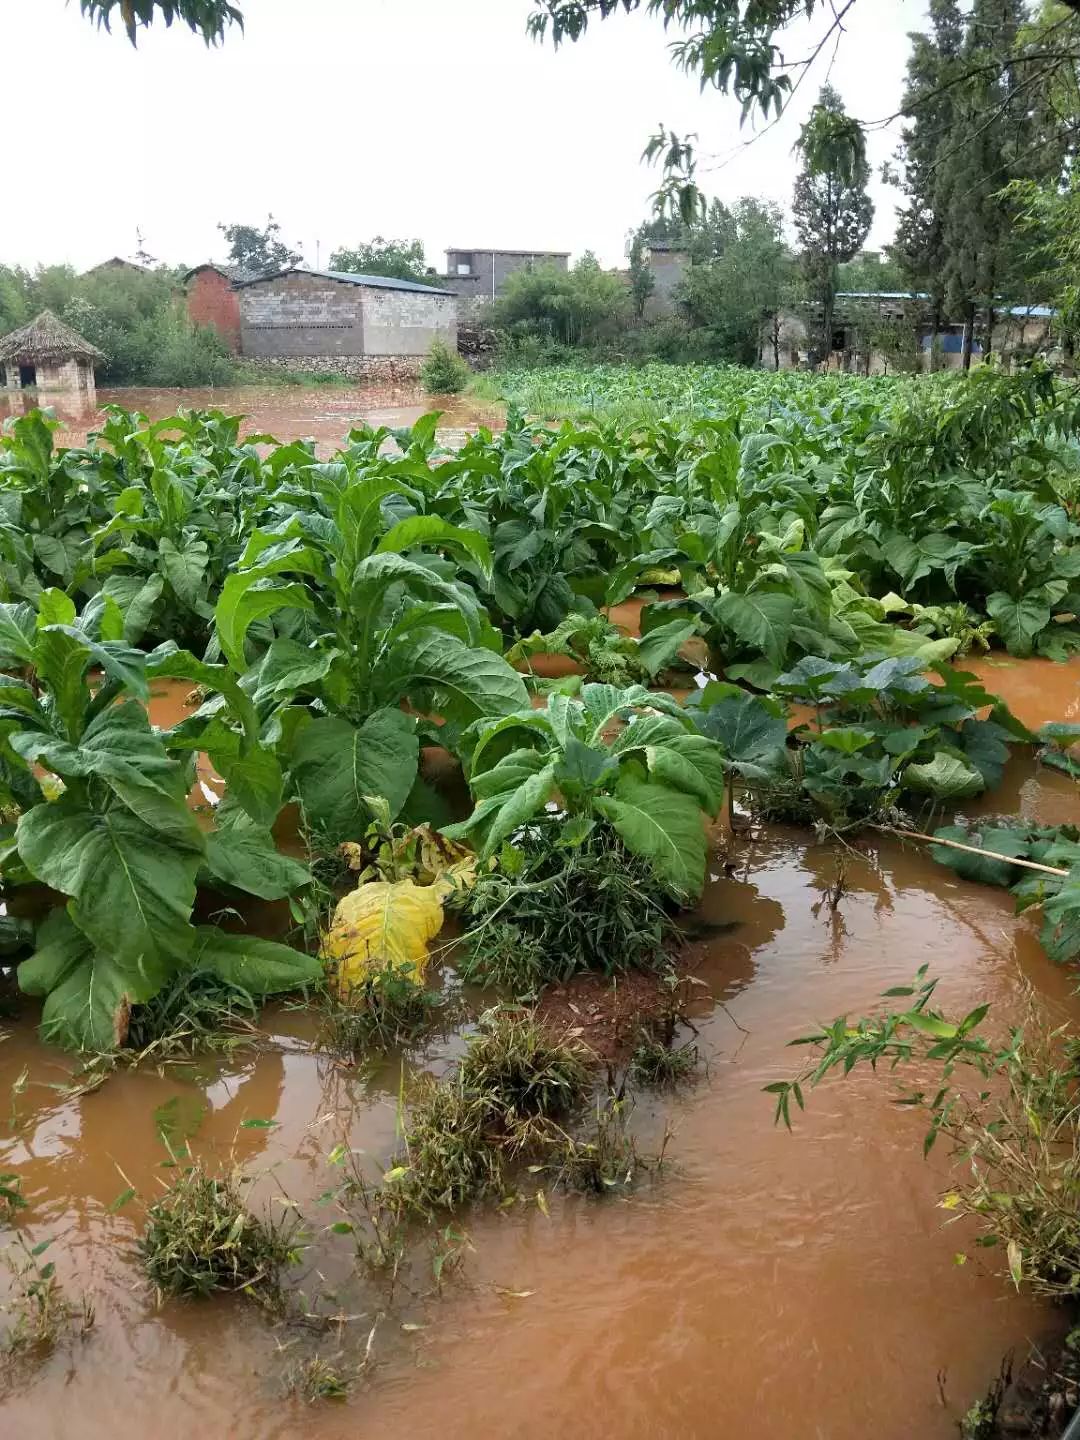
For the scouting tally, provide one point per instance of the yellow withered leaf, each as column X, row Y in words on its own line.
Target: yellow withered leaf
column 384, row 923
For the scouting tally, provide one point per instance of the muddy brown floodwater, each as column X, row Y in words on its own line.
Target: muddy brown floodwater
column 324, row 414
column 768, row 1285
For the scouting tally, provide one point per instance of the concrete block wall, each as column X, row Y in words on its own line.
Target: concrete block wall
column 405, row 322
column 302, row 316
column 296, row 315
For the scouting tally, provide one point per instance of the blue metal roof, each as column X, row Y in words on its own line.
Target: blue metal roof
column 349, row 277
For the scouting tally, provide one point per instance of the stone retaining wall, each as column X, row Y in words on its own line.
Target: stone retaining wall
column 373, row 369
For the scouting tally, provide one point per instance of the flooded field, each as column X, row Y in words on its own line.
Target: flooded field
column 288, row 412
column 766, row 1284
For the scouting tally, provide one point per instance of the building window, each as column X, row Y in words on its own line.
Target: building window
column 464, row 265
column 839, row 340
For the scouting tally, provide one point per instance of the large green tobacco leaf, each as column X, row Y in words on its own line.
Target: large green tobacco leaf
column 1018, row 621
column 664, row 827
column 88, row 993
column 245, row 857
column 185, row 569
column 520, row 805
column 1060, row 933
column 431, row 530
column 752, row 735
column 336, row 765
column 464, row 684
column 946, row 777
column 997, row 839
column 261, row 967
column 248, row 596
column 120, row 748
column 132, row 890
column 761, row 621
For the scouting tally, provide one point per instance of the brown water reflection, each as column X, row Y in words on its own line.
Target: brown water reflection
column 322, row 413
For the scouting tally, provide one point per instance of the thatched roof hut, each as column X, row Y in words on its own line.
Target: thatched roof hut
column 49, row 355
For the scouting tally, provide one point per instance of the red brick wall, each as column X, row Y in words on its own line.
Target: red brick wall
column 211, row 300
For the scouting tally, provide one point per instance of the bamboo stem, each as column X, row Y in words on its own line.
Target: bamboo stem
column 974, row 850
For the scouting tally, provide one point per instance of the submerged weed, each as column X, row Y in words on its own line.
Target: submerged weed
column 387, row 1008
column 657, row 1061
column 316, row 1379
column 200, row 1237
column 38, row 1310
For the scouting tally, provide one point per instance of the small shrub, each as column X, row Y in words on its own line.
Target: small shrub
column 200, row 1237
column 443, row 372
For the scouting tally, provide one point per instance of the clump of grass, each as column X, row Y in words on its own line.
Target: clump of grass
column 200, row 1238
column 198, row 1011
column 387, row 1008
column 522, row 1071
column 549, row 910
column 509, row 1104
column 658, row 1061
column 316, row 1379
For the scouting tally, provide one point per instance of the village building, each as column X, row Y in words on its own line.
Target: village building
column 212, row 300
column 366, row 327
column 874, row 332
column 478, row 275
column 49, row 355
column 668, row 266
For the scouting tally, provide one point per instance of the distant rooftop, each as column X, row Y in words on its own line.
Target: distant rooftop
column 236, row 273
column 1037, row 312
column 348, row 277
column 493, row 250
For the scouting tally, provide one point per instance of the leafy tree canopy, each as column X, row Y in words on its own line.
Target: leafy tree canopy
column 208, row 18
column 402, row 259
column 260, row 251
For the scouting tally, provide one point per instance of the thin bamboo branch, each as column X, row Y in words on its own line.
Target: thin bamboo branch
column 974, row 850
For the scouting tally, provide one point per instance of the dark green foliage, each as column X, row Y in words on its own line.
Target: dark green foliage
column 885, row 740
column 200, row 1238
column 549, row 910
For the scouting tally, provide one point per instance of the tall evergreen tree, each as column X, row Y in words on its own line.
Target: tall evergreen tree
column 919, row 246
column 831, row 208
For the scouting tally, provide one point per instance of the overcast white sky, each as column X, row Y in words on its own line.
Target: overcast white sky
column 347, row 118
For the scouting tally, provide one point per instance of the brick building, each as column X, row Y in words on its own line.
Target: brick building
column 212, row 300
column 478, row 275
column 363, row 326
column 49, row 355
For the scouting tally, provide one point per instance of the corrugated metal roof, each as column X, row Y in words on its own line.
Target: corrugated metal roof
column 1036, row 312
column 347, row 277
